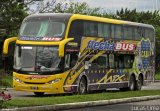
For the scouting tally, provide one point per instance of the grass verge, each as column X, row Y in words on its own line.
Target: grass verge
column 157, row 76
column 5, row 80
column 51, row 100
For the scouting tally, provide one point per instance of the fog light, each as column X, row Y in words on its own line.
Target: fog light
column 16, row 79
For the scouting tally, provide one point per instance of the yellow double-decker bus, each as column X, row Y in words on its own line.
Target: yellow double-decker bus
column 68, row 53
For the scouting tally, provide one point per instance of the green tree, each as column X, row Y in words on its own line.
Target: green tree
column 76, row 8
column 11, row 15
column 62, row 6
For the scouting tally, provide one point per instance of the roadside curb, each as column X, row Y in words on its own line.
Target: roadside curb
column 83, row 104
column 156, row 80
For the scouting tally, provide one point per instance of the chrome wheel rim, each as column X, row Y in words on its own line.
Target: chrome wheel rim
column 82, row 87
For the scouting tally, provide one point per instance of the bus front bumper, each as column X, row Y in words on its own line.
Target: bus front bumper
column 47, row 88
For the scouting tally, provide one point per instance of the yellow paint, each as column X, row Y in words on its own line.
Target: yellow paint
column 55, row 88
column 37, row 42
column 74, row 76
column 61, row 46
column 6, row 44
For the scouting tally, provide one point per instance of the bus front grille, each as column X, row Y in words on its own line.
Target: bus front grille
column 33, row 83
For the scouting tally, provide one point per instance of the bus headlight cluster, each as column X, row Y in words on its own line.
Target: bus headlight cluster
column 54, row 81
column 16, row 79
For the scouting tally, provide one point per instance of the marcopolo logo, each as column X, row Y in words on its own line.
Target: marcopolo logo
column 110, row 46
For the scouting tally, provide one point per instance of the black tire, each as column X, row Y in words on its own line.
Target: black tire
column 139, row 83
column 82, row 87
column 39, row 94
column 132, row 83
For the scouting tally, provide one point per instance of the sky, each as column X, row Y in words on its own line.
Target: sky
column 111, row 6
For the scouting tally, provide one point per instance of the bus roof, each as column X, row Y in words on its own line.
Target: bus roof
column 108, row 20
column 72, row 17
column 64, row 16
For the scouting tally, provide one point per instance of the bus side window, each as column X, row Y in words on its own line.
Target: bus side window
column 140, row 33
column 70, row 60
column 128, row 61
column 104, row 30
column 74, row 58
column 100, row 62
column 116, row 31
column 111, row 61
column 119, row 61
column 90, row 29
column 143, row 32
column 128, row 32
column 137, row 33
column 151, row 34
column 76, row 28
column 67, row 61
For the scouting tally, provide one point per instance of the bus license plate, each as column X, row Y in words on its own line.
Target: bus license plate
column 34, row 87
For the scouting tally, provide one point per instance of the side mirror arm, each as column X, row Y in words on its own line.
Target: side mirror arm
column 6, row 44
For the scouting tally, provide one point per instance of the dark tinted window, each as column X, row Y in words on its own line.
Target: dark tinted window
column 90, row 28
column 137, row 33
column 104, row 30
column 128, row 32
column 76, row 28
column 100, row 62
column 128, row 61
column 116, row 31
column 121, row 61
column 111, row 61
column 149, row 33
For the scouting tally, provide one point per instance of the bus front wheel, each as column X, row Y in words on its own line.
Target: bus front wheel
column 82, row 88
column 39, row 93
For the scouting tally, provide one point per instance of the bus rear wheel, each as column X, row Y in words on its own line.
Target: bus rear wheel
column 139, row 83
column 132, row 83
column 39, row 93
column 82, row 88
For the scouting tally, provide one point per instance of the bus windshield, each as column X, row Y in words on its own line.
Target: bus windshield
column 36, row 58
column 42, row 28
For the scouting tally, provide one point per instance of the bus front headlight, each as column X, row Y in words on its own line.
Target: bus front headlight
column 16, row 79
column 54, row 81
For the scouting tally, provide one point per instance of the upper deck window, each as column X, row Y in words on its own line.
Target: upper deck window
column 116, row 31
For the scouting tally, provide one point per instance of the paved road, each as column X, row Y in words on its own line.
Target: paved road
column 152, row 105
column 19, row 94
